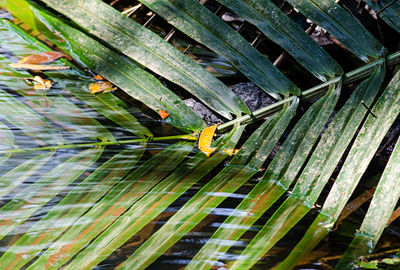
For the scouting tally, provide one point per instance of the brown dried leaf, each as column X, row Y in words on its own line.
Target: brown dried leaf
column 163, row 114
column 205, row 140
column 43, row 58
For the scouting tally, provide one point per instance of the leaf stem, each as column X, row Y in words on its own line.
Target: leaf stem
column 82, row 145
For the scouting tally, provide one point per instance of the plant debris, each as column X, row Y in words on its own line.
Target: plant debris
column 101, row 87
column 42, row 58
column 205, row 140
column 163, row 114
column 39, row 83
column 37, row 61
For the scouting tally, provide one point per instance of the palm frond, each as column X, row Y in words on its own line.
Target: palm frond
column 342, row 26
column 242, row 167
column 382, row 205
column 111, row 206
column 316, row 173
column 388, row 10
column 361, row 153
column 276, row 180
column 74, row 209
column 202, row 25
column 138, row 43
column 286, row 33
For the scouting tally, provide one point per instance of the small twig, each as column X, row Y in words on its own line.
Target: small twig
column 114, row 2
column 131, row 10
column 170, row 35
column 256, row 40
column 378, row 18
column 150, row 20
column 368, row 109
column 283, row 56
column 356, row 203
column 187, row 48
column 241, row 27
column 395, row 215
column 385, row 7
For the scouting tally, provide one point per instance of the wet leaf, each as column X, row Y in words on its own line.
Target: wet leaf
column 206, row 139
column 101, row 87
column 39, row 83
column 37, row 67
column 42, row 58
column 163, row 114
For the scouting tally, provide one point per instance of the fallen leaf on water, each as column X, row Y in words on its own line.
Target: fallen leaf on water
column 205, row 140
column 39, row 83
column 163, row 114
column 38, row 67
column 43, row 58
column 98, row 78
column 101, row 87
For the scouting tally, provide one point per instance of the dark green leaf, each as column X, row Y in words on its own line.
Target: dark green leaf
column 205, row 27
column 285, row 32
column 338, row 22
column 150, row 50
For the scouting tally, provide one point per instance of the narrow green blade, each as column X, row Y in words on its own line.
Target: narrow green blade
column 315, row 175
column 371, row 134
column 382, row 205
column 202, row 25
column 274, row 183
column 34, row 196
column 111, row 206
column 242, row 167
column 391, row 14
column 151, row 51
column 337, row 21
column 70, row 208
column 286, row 33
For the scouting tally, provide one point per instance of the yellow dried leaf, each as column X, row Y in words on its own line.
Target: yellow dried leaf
column 38, row 67
column 39, row 83
column 205, row 140
column 101, row 87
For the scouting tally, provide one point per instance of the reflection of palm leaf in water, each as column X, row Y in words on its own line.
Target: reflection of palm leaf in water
column 76, row 208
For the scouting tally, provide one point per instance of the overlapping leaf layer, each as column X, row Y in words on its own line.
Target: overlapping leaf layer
column 84, row 175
